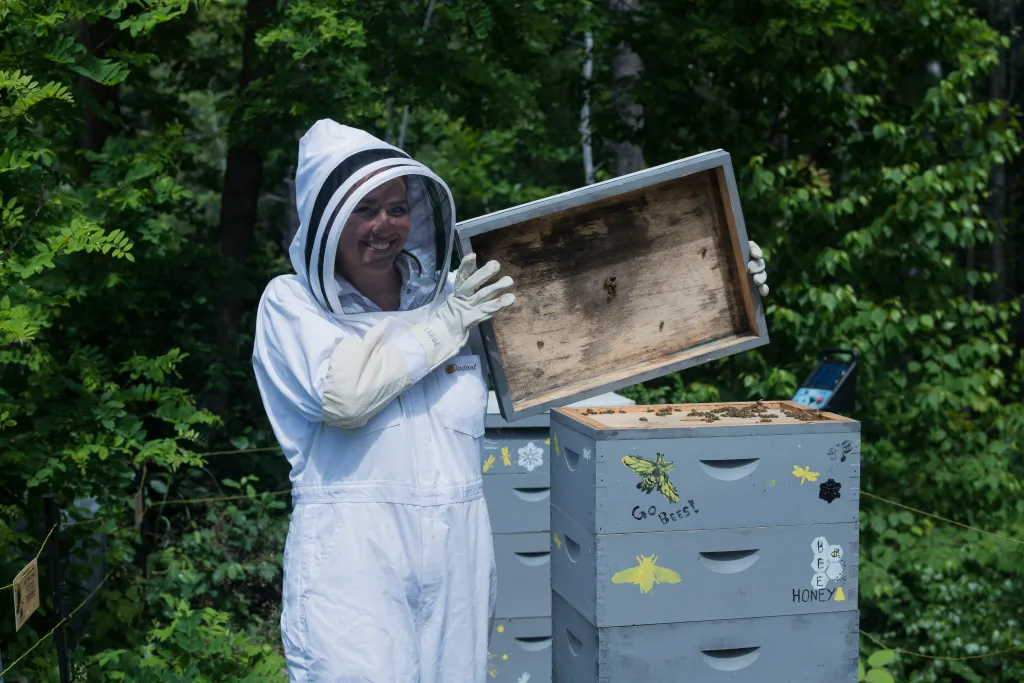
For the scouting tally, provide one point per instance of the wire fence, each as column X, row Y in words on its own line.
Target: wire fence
column 262, row 495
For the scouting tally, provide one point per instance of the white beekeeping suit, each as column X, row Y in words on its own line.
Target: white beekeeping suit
column 388, row 568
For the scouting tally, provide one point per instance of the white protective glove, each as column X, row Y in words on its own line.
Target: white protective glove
column 756, row 268
column 364, row 375
column 448, row 329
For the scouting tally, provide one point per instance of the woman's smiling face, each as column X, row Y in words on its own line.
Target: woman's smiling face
column 376, row 230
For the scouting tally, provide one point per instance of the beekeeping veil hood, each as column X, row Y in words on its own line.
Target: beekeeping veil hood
column 334, row 159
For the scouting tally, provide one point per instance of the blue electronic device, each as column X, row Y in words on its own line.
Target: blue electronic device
column 832, row 384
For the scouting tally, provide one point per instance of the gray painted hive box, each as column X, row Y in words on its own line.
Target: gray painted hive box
column 660, row 253
column 516, row 465
column 706, row 543
column 667, row 514
column 682, row 576
column 667, row 468
column 520, row 651
column 818, row 648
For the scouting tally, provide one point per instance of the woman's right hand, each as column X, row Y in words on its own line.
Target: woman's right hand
column 472, row 302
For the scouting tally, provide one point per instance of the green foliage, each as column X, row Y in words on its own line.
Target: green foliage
column 863, row 178
column 877, row 673
column 864, row 154
column 85, row 414
column 192, row 646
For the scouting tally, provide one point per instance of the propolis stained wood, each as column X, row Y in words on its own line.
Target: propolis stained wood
column 618, row 283
column 637, row 469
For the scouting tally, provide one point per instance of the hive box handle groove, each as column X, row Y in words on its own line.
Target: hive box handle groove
column 534, row 559
column 535, row 643
column 572, row 549
column 572, row 459
column 730, row 470
column 729, row 561
column 575, row 644
column 732, row 659
column 533, row 495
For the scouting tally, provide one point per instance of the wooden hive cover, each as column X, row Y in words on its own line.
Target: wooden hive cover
column 618, row 283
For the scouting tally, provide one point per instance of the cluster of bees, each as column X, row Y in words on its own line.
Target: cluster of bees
column 756, row 410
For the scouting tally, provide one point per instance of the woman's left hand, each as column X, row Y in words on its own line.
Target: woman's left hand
column 756, row 268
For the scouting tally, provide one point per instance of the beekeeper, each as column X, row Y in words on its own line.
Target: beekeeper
column 388, row 567
column 370, row 369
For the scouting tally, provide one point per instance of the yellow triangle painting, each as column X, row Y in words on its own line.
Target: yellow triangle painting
column 840, row 595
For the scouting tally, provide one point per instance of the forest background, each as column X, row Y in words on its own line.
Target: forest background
column 146, row 156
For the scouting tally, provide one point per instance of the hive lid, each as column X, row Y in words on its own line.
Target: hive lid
column 618, row 283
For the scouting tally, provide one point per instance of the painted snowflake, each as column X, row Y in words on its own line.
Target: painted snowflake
column 531, row 457
column 586, row 454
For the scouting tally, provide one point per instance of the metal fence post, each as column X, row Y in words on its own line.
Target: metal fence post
column 51, row 517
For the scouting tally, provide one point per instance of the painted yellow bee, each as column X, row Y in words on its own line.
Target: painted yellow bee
column 804, row 474
column 506, row 459
column 488, row 463
column 646, row 574
column 653, row 475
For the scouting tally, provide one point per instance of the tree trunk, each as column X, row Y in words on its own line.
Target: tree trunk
column 626, row 70
column 100, row 102
column 405, row 110
column 588, row 74
column 243, row 180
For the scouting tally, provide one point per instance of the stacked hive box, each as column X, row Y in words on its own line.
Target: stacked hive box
column 517, row 489
column 704, row 543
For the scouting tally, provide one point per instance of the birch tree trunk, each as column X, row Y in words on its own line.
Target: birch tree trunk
column 585, row 136
column 405, row 110
column 627, row 68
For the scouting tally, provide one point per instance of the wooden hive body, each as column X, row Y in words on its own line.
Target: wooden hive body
column 618, row 283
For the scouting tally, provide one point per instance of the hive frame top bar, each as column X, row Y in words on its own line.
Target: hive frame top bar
column 587, row 194
column 703, row 353
column 591, row 426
